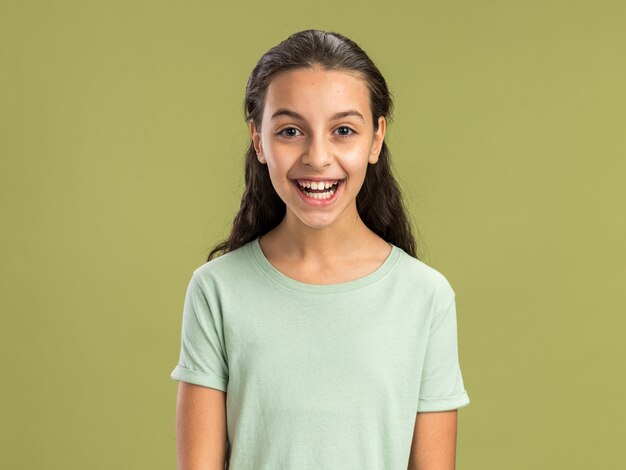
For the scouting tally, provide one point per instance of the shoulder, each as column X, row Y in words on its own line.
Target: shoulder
column 425, row 279
column 225, row 269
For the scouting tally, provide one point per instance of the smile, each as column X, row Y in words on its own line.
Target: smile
column 325, row 194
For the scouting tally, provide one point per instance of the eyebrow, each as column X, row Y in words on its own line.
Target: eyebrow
column 339, row 115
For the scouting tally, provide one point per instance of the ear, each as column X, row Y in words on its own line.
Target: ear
column 256, row 142
column 379, row 138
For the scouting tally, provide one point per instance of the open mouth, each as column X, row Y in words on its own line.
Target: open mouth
column 320, row 194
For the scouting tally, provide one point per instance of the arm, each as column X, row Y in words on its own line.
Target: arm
column 200, row 427
column 434, row 441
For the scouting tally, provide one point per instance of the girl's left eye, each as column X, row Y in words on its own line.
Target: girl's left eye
column 346, row 128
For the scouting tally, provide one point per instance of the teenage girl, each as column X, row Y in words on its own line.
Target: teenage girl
column 318, row 339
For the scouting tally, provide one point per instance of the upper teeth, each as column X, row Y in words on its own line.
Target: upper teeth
column 316, row 184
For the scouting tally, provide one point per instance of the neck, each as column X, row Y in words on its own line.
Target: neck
column 300, row 241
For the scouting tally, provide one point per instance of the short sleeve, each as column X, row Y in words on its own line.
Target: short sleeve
column 202, row 358
column 442, row 386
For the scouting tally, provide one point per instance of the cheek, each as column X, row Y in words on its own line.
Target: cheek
column 355, row 160
column 278, row 173
column 280, row 155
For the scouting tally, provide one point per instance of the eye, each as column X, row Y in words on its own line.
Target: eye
column 290, row 135
column 345, row 128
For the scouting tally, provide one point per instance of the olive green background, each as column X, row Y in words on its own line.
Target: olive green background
column 122, row 141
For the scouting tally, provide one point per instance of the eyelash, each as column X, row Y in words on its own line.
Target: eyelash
column 341, row 135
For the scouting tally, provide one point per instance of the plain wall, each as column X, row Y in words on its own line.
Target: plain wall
column 121, row 150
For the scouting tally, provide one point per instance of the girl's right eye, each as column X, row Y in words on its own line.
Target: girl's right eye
column 289, row 136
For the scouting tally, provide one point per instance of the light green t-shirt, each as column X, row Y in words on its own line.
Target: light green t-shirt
column 321, row 377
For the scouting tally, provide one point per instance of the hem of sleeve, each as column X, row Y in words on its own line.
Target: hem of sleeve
column 199, row 378
column 452, row 402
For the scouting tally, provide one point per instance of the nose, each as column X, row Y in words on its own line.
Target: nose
column 317, row 153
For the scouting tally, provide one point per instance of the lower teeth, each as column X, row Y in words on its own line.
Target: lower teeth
column 325, row 195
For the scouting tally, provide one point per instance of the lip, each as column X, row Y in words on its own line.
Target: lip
column 306, row 178
column 319, row 202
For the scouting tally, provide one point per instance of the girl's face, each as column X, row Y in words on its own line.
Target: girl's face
column 317, row 125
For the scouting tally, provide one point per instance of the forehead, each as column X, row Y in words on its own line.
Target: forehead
column 317, row 92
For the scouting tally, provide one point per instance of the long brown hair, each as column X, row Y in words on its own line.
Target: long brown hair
column 379, row 202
